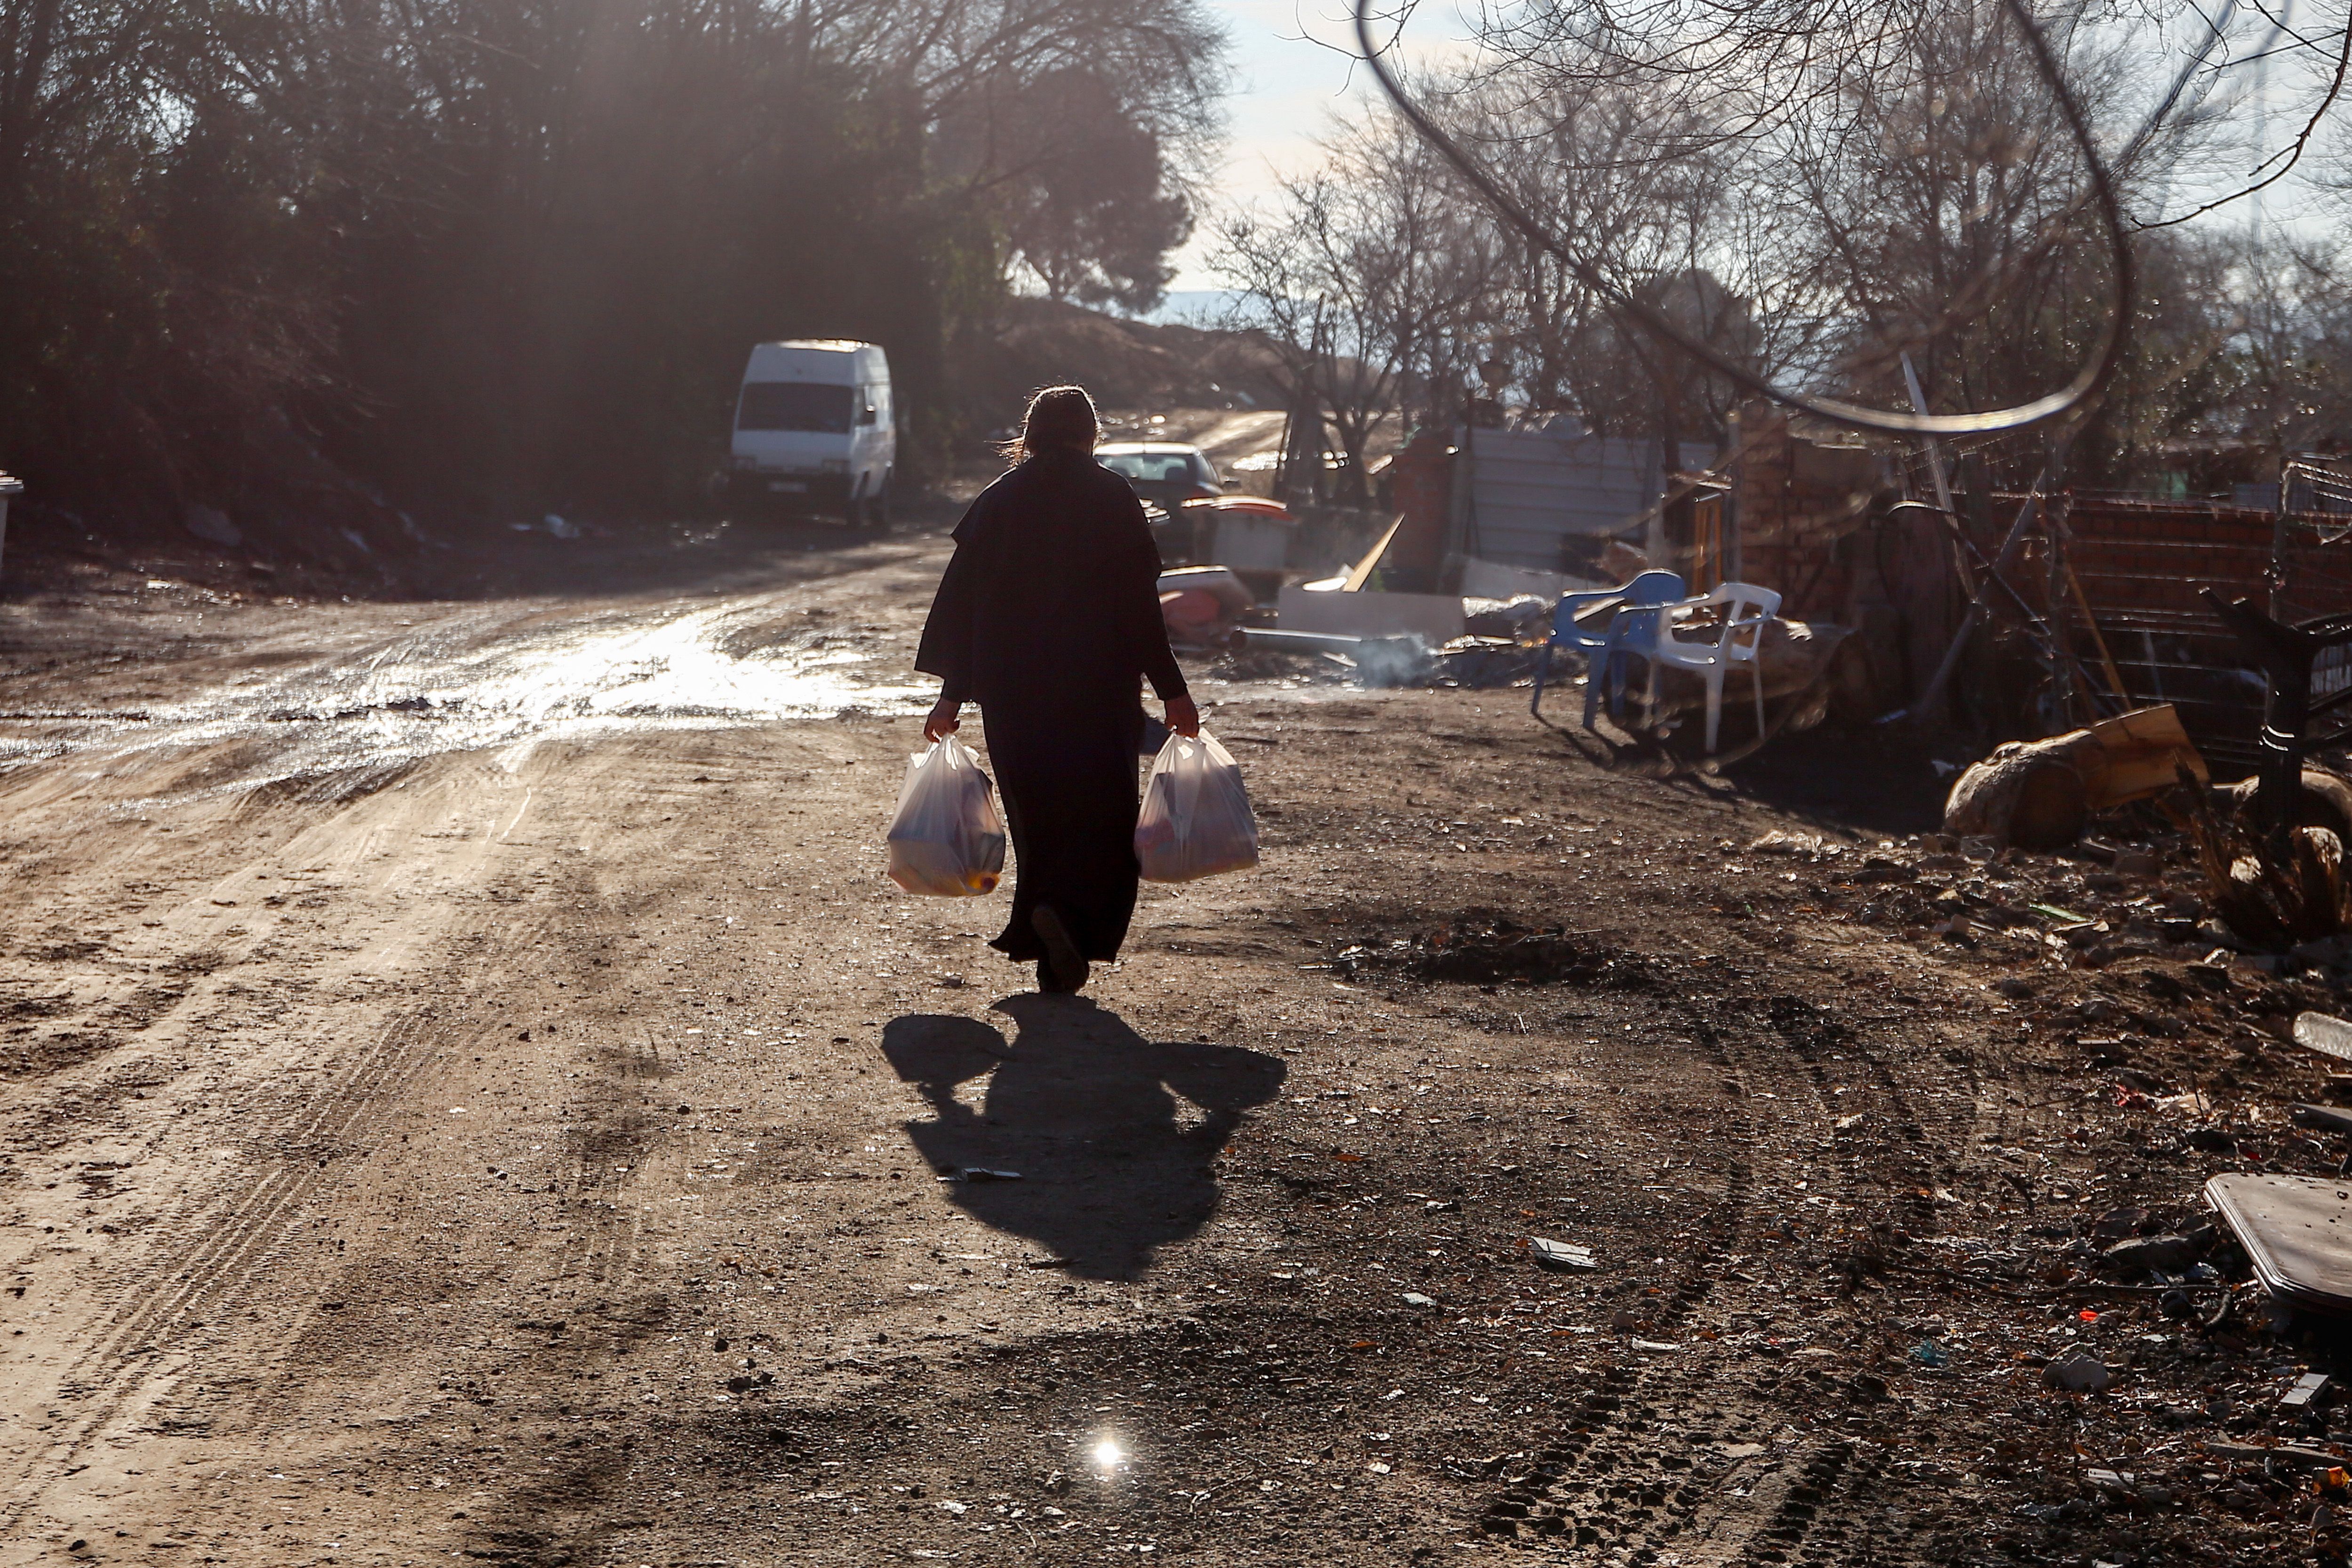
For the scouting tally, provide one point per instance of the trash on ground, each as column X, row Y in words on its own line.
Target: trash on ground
column 1561, row 1254
column 1202, row 605
column 981, row 1172
column 946, row 839
column 2039, row 794
column 2156, row 1254
column 2324, row 1033
column 2296, row 1231
column 1486, row 951
column 1416, row 1299
column 2276, row 890
column 1782, row 842
column 1195, row 821
column 2077, row 1371
column 2305, row 1390
column 1435, row 618
column 1521, row 619
column 2290, row 1455
column 2325, row 1118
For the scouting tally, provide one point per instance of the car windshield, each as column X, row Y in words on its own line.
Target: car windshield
column 1150, row 467
column 795, row 405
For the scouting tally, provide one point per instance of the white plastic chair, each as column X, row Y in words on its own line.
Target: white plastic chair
column 1744, row 609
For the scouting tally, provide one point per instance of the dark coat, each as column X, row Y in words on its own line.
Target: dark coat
column 1049, row 618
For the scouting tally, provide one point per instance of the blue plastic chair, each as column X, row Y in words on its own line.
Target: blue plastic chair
column 1633, row 629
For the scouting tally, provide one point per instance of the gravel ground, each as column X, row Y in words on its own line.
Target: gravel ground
column 553, row 1151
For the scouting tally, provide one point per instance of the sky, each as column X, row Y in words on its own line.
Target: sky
column 1295, row 65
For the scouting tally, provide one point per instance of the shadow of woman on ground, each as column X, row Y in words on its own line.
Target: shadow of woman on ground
column 1112, row 1134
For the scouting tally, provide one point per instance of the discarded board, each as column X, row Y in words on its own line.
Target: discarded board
column 2141, row 754
column 1435, row 618
column 2326, row 1118
column 2297, row 1233
column 2324, row 1033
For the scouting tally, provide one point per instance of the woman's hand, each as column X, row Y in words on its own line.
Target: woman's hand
column 943, row 721
column 1184, row 718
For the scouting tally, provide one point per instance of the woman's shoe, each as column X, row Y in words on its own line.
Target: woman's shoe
column 1063, row 969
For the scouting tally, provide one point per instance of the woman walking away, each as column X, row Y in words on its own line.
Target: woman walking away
column 1049, row 618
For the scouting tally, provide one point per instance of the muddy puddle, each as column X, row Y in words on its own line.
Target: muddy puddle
column 485, row 681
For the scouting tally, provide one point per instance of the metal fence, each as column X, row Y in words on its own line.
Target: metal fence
column 2137, row 565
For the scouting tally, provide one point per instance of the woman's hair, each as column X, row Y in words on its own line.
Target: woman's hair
column 1060, row 419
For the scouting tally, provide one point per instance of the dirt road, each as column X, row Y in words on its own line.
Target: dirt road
column 472, row 1093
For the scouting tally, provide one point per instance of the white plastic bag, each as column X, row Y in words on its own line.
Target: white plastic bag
column 1196, row 818
column 947, row 840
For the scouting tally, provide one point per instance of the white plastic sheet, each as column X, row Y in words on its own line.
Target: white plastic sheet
column 947, row 840
column 1196, row 818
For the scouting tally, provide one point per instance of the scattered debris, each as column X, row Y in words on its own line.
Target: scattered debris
column 2323, row 1118
column 1489, row 951
column 1563, row 1255
column 2039, row 794
column 2296, row 1231
column 1202, row 605
column 2287, row 1455
column 2156, row 1254
column 2077, row 1371
column 2324, row 1033
column 2273, row 890
column 981, row 1173
column 1780, row 841
column 2305, row 1390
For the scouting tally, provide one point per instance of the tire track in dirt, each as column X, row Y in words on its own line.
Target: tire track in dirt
column 133, row 1355
column 123, row 1359
column 1616, row 1430
column 1624, row 1483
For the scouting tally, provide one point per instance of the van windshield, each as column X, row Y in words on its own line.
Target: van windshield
column 795, row 405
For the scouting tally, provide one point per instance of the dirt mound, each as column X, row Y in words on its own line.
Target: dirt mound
column 1492, row 951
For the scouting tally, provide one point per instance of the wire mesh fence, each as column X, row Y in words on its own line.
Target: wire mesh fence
column 2138, row 566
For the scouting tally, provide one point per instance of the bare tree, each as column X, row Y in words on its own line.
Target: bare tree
column 1358, row 275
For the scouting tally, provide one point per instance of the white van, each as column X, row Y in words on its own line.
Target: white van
column 814, row 431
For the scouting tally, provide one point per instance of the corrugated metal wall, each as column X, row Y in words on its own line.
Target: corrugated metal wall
column 1529, row 489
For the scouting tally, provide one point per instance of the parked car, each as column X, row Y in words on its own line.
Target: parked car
column 1163, row 473
column 814, row 431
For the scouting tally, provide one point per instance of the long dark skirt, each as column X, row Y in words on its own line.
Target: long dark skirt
column 1068, row 774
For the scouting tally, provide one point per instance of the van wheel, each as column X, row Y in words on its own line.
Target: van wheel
column 880, row 502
